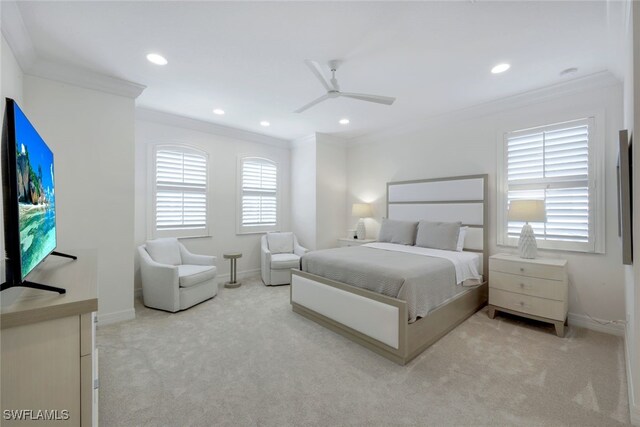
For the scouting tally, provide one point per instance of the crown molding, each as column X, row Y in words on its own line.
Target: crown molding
column 16, row 34
column 171, row 119
column 590, row 82
column 17, row 37
column 84, row 78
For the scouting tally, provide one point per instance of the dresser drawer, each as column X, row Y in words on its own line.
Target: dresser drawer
column 543, row 271
column 544, row 288
column 542, row 307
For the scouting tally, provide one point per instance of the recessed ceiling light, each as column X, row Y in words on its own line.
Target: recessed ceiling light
column 218, row 111
column 265, row 123
column 156, row 59
column 500, row 68
column 344, row 121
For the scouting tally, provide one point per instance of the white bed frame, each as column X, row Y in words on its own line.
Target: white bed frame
column 380, row 322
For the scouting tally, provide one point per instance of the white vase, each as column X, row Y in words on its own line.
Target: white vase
column 527, row 244
column 361, row 231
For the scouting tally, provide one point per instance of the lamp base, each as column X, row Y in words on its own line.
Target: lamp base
column 361, row 231
column 527, row 245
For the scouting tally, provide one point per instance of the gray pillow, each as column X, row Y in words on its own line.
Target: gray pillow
column 438, row 235
column 401, row 232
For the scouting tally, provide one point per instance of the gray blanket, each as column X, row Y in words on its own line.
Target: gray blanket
column 423, row 282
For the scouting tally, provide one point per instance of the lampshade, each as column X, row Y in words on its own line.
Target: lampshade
column 527, row 210
column 361, row 210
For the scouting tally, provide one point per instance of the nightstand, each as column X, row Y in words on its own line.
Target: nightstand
column 533, row 288
column 346, row 241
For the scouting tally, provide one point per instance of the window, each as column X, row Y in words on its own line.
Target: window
column 557, row 164
column 180, row 192
column 258, row 204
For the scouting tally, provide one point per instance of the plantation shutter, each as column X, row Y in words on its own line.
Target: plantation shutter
column 552, row 164
column 181, row 189
column 259, row 193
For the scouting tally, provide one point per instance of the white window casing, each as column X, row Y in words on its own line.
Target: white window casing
column 258, row 195
column 180, row 192
column 562, row 164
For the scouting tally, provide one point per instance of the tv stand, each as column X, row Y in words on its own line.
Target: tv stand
column 56, row 253
column 33, row 285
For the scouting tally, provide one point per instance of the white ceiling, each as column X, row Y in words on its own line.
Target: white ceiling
column 247, row 58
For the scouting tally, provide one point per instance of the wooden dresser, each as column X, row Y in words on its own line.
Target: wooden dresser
column 48, row 354
column 534, row 288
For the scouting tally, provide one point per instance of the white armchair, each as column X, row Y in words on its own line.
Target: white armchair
column 280, row 252
column 173, row 278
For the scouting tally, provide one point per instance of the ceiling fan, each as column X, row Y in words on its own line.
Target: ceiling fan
column 333, row 90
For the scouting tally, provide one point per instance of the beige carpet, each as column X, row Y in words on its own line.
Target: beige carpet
column 244, row 359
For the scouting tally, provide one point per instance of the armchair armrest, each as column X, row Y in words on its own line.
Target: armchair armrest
column 297, row 248
column 160, row 287
column 265, row 261
column 194, row 259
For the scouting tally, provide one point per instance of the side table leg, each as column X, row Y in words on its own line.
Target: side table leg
column 559, row 328
column 491, row 312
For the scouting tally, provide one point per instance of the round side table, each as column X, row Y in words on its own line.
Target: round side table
column 233, row 257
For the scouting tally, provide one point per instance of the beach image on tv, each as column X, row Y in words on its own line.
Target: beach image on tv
column 36, row 195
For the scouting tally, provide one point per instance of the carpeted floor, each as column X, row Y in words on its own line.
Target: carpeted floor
column 244, row 359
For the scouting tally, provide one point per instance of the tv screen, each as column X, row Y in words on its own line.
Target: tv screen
column 35, row 193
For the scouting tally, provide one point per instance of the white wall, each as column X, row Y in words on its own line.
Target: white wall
column 92, row 136
column 331, row 187
column 465, row 143
column 303, row 190
column 223, row 153
column 11, row 80
column 318, row 197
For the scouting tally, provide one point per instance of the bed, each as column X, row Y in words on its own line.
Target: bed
column 395, row 299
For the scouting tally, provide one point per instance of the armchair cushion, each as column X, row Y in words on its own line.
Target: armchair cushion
column 164, row 251
column 189, row 275
column 280, row 243
column 282, row 261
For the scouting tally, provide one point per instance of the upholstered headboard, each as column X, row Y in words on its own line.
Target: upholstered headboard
column 460, row 198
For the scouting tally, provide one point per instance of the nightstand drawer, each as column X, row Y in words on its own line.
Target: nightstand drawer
column 529, row 269
column 543, row 288
column 527, row 304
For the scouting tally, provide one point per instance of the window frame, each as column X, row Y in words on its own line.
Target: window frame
column 596, row 186
column 256, row 229
column 153, row 231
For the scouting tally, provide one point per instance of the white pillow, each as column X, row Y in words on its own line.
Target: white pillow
column 461, row 236
column 165, row 251
column 280, row 243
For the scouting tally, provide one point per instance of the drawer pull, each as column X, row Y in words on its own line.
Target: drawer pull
column 521, row 303
column 522, row 269
column 522, row 285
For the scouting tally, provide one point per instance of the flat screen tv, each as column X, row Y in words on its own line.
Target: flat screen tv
column 29, row 199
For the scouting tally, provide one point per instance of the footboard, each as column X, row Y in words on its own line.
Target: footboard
column 376, row 321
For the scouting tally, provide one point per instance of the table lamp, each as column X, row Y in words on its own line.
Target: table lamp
column 527, row 210
column 361, row 210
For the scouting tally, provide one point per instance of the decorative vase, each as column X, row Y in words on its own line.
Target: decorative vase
column 361, row 231
column 527, row 244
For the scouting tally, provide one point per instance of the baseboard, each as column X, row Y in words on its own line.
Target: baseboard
column 634, row 410
column 586, row 322
column 118, row 316
column 221, row 279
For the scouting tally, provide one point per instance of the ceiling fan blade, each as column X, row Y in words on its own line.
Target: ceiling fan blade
column 317, row 71
column 312, row 103
column 387, row 100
